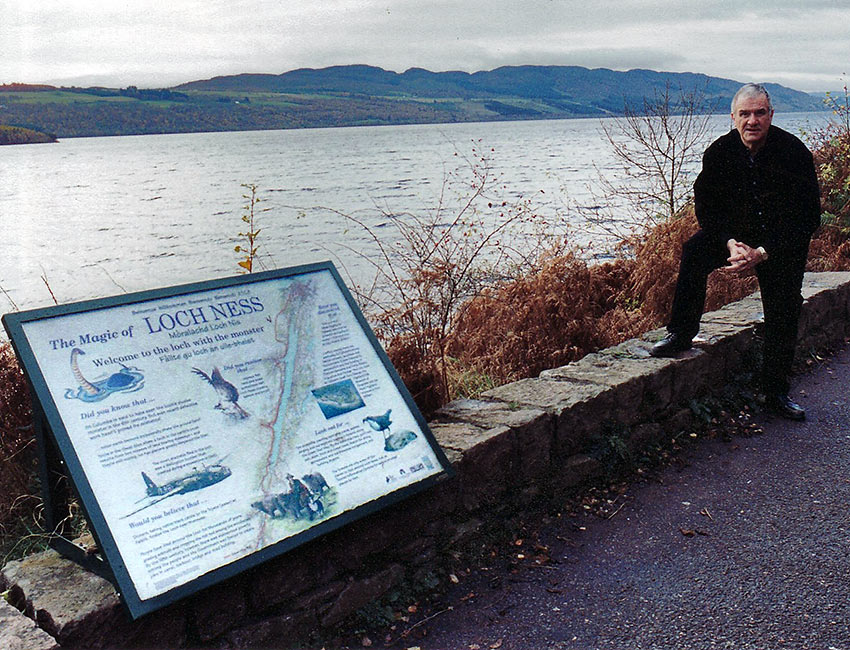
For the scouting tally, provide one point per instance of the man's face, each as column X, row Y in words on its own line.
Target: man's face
column 752, row 117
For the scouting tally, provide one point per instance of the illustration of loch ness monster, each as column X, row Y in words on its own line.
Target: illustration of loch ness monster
column 392, row 441
column 125, row 380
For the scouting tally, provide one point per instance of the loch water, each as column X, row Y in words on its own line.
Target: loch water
column 93, row 217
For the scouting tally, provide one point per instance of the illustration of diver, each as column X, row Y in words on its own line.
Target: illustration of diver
column 126, row 380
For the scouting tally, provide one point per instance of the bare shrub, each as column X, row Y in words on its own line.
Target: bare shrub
column 438, row 261
column 656, row 147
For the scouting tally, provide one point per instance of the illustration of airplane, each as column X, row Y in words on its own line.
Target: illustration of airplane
column 194, row 480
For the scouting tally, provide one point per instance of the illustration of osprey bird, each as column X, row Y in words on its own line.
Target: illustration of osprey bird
column 228, row 396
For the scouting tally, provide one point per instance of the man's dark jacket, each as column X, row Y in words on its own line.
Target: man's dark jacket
column 771, row 200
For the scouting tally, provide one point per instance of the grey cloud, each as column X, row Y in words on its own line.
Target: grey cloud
column 784, row 39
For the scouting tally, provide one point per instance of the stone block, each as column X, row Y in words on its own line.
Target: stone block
column 382, row 533
column 677, row 380
column 577, row 470
column 832, row 281
column 745, row 312
column 487, row 469
column 321, row 594
column 681, row 420
column 574, row 405
column 82, row 610
column 554, row 397
column 360, row 593
column 17, row 632
column 218, row 609
column 626, row 369
column 456, row 437
column 825, row 321
column 643, row 434
column 726, row 344
column 692, row 372
column 269, row 632
column 440, row 500
column 288, row 576
column 532, row 429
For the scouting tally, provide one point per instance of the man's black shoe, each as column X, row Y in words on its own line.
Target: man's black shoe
column 785, row 406
column 671, row 345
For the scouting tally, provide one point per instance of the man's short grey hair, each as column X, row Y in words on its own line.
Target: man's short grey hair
column 751, row 90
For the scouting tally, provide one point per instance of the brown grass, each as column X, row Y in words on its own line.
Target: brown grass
column 571, row 308
column 830, row 249
column 17, row 445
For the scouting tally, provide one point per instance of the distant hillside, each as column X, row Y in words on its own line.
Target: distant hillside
column 358, row 95
column 570, row 89
column 18, row 135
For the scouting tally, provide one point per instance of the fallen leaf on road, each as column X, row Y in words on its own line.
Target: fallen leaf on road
column 498, row 644
column 690, row 532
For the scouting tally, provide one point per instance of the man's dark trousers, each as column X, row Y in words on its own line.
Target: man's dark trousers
column 780, row 281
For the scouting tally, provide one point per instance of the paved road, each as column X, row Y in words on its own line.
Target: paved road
column 744, row 547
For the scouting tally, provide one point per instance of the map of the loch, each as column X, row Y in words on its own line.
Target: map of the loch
column 216, row 423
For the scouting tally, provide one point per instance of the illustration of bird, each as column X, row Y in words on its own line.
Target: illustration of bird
column 228, row 396
column 379, row 422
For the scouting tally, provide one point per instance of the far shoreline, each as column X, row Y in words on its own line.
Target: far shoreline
column 19, row 135
column 55, row 139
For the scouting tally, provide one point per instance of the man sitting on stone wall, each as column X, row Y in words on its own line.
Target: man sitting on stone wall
column 758, row 203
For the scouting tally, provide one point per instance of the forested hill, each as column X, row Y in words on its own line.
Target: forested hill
column 360, row 95
column 572, row 89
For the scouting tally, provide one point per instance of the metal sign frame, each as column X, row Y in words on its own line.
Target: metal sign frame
column 62, row 461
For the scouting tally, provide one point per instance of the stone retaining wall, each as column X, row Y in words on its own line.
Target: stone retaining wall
column 518, row 442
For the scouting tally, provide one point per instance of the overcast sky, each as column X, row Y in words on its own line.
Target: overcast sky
column 804, row 44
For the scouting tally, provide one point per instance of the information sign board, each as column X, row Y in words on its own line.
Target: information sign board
column 209, row 427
